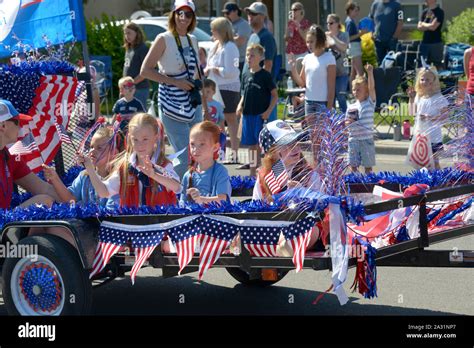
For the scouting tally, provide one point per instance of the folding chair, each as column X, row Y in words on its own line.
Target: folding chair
column 386, row 88
column 105, row 87
column 408, row 54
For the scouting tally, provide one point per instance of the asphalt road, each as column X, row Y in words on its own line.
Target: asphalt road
column 401, row 291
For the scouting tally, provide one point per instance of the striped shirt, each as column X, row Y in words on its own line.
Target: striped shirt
column 363, row 128
column 174, row 101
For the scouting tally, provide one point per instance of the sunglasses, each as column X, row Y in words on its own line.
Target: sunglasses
column 330, row 23
column 253, row 14
column 187, row 14
column 295, row 9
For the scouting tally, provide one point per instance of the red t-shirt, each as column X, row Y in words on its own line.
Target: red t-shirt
column 10, row 170
column 470, row 82
column 296, row 43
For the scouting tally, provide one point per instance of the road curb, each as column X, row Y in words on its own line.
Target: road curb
column 400, row 149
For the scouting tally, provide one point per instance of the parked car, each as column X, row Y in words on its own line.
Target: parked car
column 153, row 26
column 204, row 23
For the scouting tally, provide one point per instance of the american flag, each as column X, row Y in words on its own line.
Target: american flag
column 44, row 98
column 63, row 136
column 144, row 243
column 111, row 239
column 185, row 238
column 299, row 235
column 277, row 178
column 23, row 146
column 261, row 241
column 216, row 236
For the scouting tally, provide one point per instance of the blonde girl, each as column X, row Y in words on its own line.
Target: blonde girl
column 141, row 175
column 206, row 180
column 428, row 106
column 81, row 190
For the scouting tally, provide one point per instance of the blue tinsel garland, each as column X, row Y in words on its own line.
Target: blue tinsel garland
column 433, row 178
column 353, row 210
column 39, row 67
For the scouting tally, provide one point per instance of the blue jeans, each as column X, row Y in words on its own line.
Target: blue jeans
column 142, row 95
column 178, row 135
column 341, row 91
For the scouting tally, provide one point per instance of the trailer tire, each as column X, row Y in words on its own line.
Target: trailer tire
column 55, row 284
column 244, row 278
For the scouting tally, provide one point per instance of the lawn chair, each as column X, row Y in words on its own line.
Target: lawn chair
column 408, row 54
column 105, row 86
column 386, row 89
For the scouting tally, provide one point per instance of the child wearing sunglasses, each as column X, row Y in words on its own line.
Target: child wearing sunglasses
column 128, row 105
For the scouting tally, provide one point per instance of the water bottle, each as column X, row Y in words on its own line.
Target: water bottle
column 406, row 129
column 290, row 83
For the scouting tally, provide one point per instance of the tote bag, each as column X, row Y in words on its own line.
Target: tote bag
column 419, row 153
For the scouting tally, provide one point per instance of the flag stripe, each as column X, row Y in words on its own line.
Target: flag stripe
column 53, row 92
column 141, row 255
column 103, row 254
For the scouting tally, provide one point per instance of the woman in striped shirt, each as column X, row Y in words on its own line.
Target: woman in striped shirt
column 175, row 51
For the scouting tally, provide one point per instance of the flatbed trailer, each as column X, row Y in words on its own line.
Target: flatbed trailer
column 71, row 262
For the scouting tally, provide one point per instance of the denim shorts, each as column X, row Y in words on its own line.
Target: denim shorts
column 362, row 152
column 355, row 49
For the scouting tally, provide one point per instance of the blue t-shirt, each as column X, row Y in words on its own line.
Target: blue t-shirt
column 84, row 192
column 212, row 182
column 385, row 16
column 125, row 108
column 267, row 41
column 351, row 28
column 216, row 111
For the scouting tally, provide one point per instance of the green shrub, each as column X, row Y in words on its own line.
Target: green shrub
column 460, row 28
column 415, row 35
column 104, row 38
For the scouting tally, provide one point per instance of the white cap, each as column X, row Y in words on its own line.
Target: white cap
column 178, row 4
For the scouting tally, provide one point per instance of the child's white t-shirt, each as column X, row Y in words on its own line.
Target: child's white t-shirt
column 363, row 128
column 431, row 107
column 316, row 75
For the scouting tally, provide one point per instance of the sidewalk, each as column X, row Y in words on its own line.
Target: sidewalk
column 382, row 146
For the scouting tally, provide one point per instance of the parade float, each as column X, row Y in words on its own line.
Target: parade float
column 364, row 221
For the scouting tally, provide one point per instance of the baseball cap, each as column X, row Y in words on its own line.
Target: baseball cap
column 178, row 4
column 278, row 133
column 229, row 7
column 257, row 7
column 8, row 112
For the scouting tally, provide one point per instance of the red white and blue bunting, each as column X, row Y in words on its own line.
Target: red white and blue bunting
column 210, row 235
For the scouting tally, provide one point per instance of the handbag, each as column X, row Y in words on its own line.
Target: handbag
column 419, row 153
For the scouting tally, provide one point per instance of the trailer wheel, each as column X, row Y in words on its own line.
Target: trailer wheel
column 244, row 278
column 52, row 281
